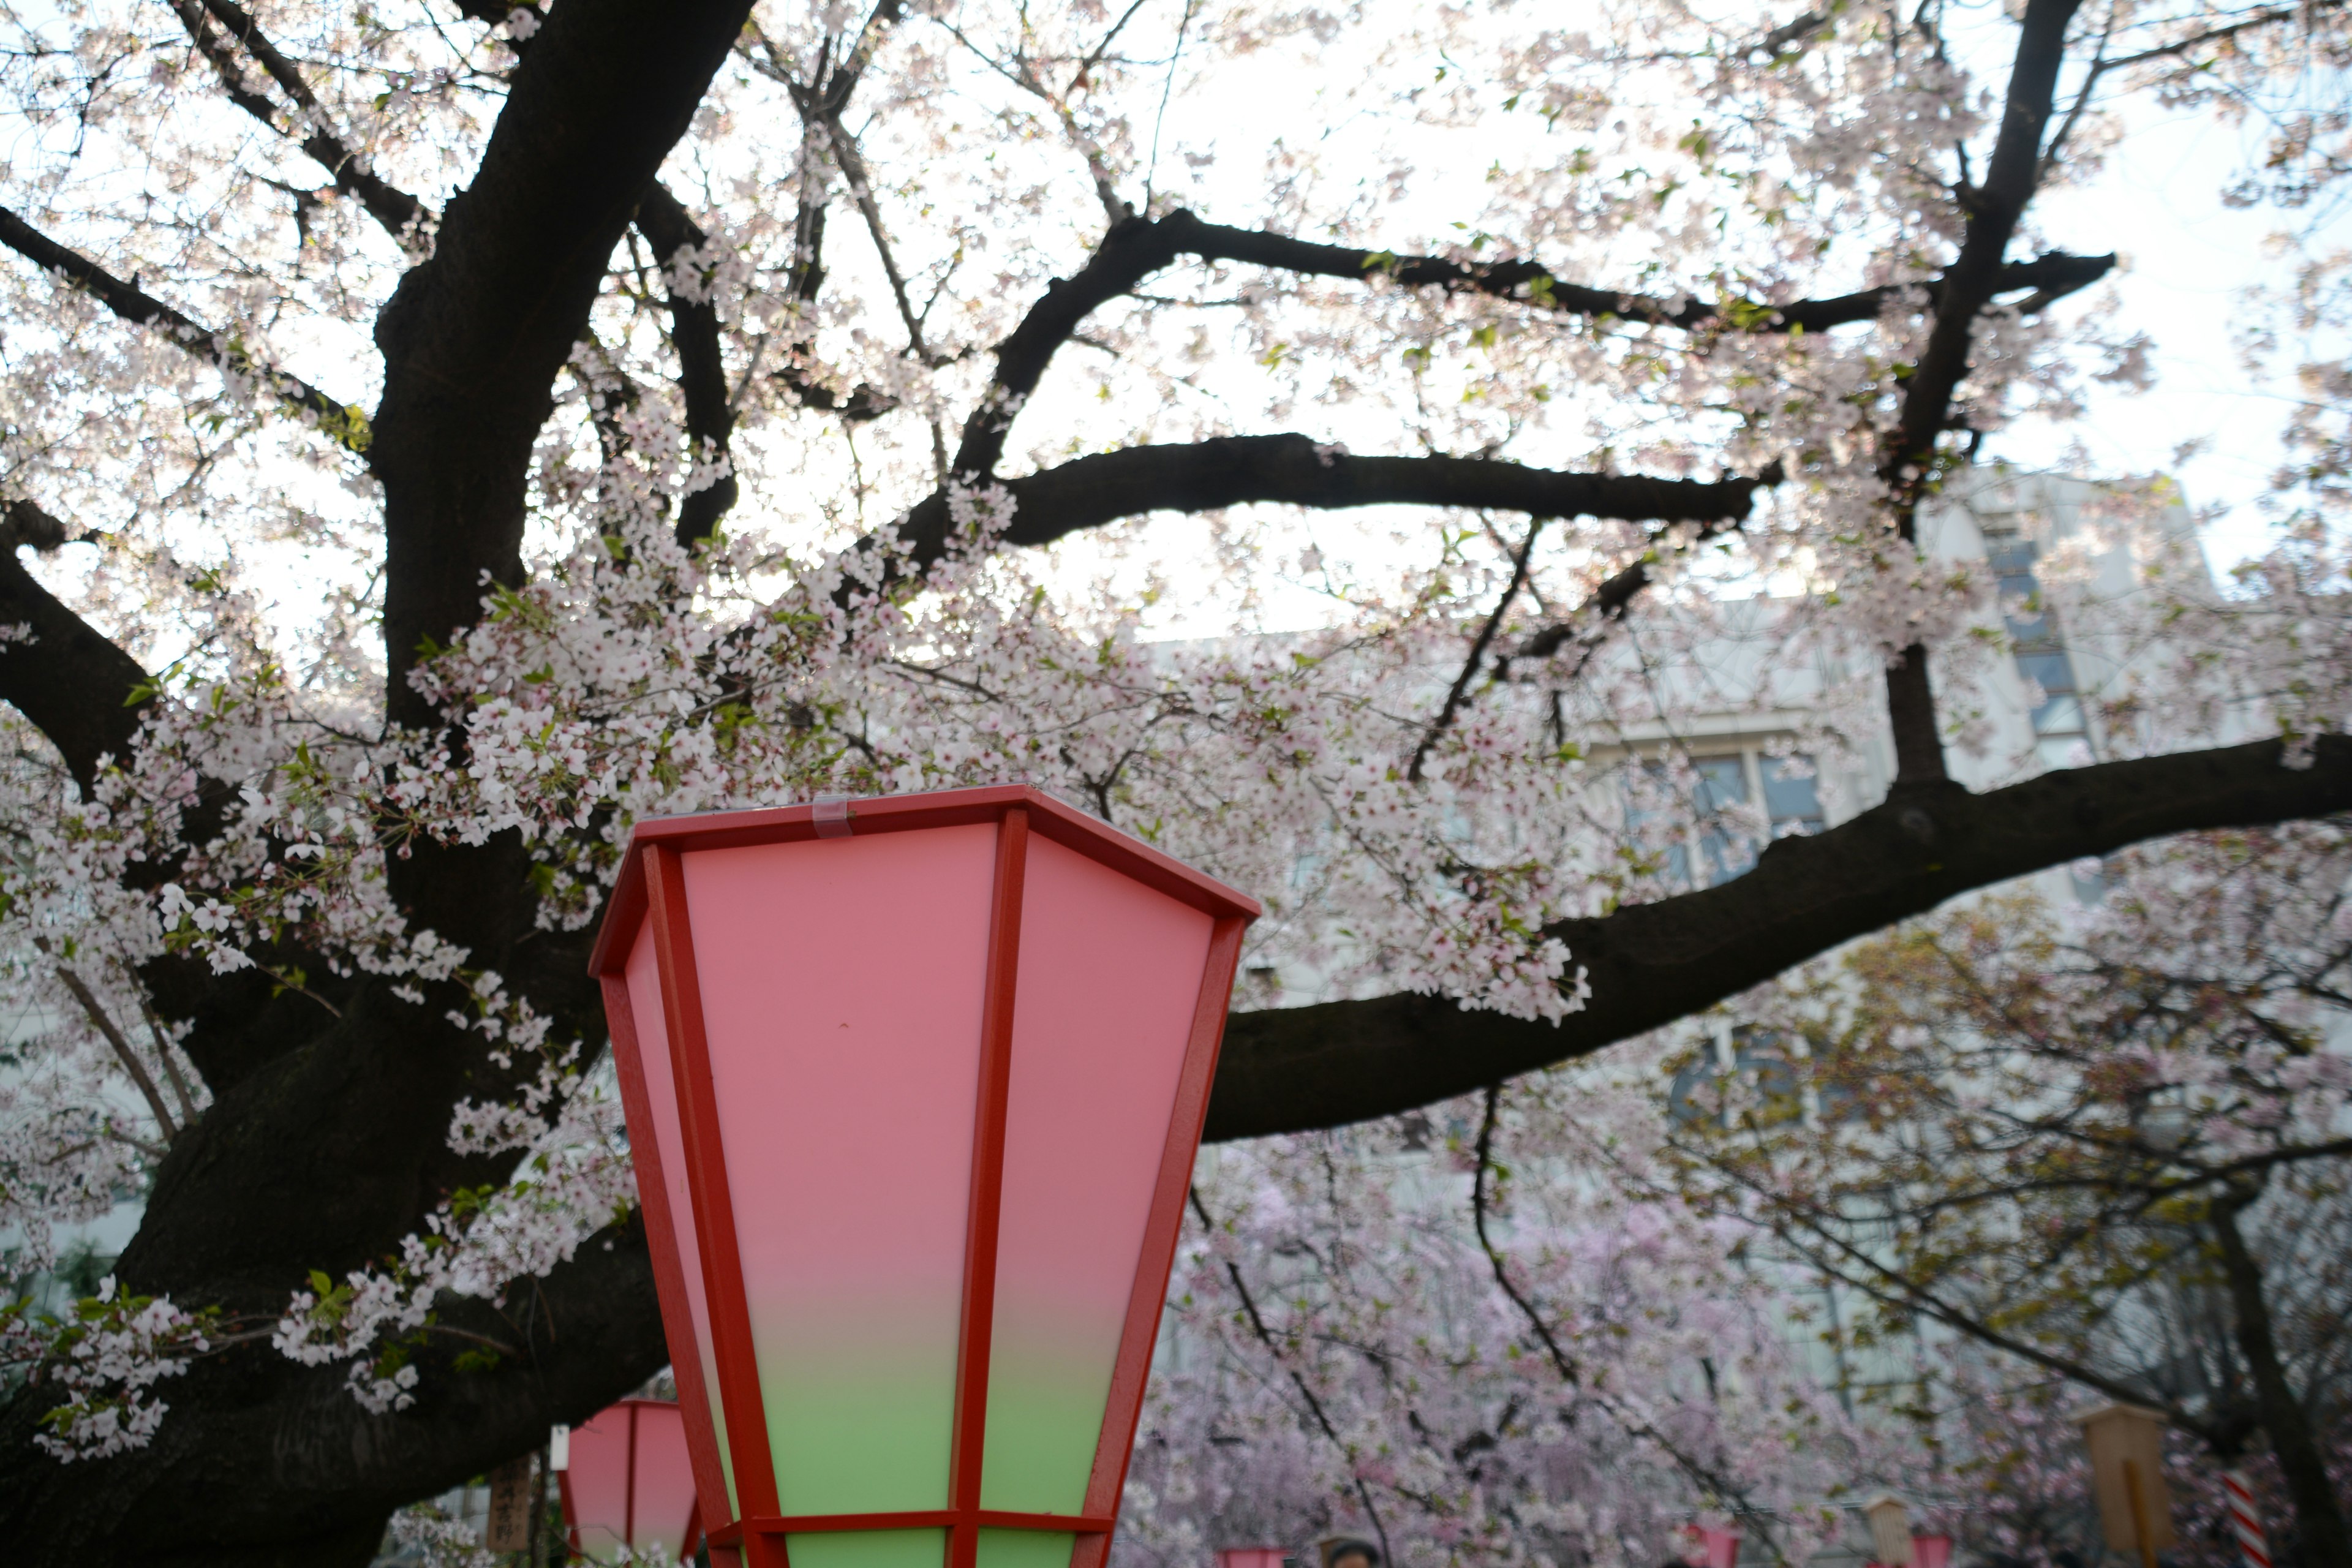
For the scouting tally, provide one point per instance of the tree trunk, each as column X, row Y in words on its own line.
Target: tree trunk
column 2320, row 1538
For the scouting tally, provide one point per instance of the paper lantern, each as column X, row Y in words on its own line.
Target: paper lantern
column 1712, row 1547
column 627, row 1480
column 914, row 1087
column 1931, row 1552
column 1251, row 1557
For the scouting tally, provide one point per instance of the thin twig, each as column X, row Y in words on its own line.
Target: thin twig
column 122, row 1051
column 1470, row 668
column 171, row 1068
column 1315, row 1406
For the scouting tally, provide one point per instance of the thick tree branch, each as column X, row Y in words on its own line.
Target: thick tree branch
column 701, row 372
column 475, row 337
column 1138, row 247
column 74, row 685
column 1229, row 470
column 265, row 1461
column 342, row 421
column 396, row 209
column 26, row 522
column 1908, row 463
column 1648, row 964
column 473, row 341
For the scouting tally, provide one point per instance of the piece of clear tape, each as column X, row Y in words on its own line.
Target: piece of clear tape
column 831, row 816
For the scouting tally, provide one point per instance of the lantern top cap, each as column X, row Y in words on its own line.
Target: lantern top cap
column 2112, row 1411
column 1884, row 1500
column 833, row 818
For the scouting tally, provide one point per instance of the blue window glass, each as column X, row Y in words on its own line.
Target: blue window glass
column 1790, row 797
column 1722, row 782
column 2055, row 671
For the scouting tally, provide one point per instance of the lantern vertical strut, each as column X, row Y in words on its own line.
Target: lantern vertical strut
column 669, row 1279
column 982, row 1228
column 629, row 1498
column 2140, row 1530
column 1124, row 1408
column 722, row 1263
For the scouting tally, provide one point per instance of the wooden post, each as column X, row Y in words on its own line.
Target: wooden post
column 508, row 1527
column 2140, row 1531
column 539, row 1511
column 2127, row 1452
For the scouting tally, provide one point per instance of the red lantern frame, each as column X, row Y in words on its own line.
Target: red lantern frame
column 652, row 888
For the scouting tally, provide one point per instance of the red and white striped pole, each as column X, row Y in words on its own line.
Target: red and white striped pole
column 2244, row 1522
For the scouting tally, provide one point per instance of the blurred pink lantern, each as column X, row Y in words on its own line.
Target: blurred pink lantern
column 1711, row 1548
column 1931, row 1552
column 914, row 1087
column 628, row 1481
column 1251, row 1557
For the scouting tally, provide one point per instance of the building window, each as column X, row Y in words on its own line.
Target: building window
column 1722, row 849
column 1722, row 782
column 1791, row 796
column 2061, row 733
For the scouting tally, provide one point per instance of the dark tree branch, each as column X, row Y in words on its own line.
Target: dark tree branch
column 475, row 337
column 1138, row 247
column 89, row 698
column 2264, row 18
column 396, row 209
column 1976, row 276
column 1908, row 463
column 72, row 683
column 262, row 1461
column 473, row 341
column 1532, row 282
column 1477, row 656
column 1231, row 469
column 1648, row 964
column 1911, row 717
column 701, row 372
column 26, row 523
column 2322, row 1539
column 861, row 192
column 342, row 421
column 1588, row 627
column 1297, row 1379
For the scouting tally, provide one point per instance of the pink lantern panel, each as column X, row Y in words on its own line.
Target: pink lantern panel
column 1931, row 1552
column 914, row 1086
column 629, row 1483
column 1251, row 1557
column 1711, row 1548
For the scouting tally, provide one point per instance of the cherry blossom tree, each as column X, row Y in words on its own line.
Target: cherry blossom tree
column 439, row 434
column 2113, row 1144
column 1459, row 1334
